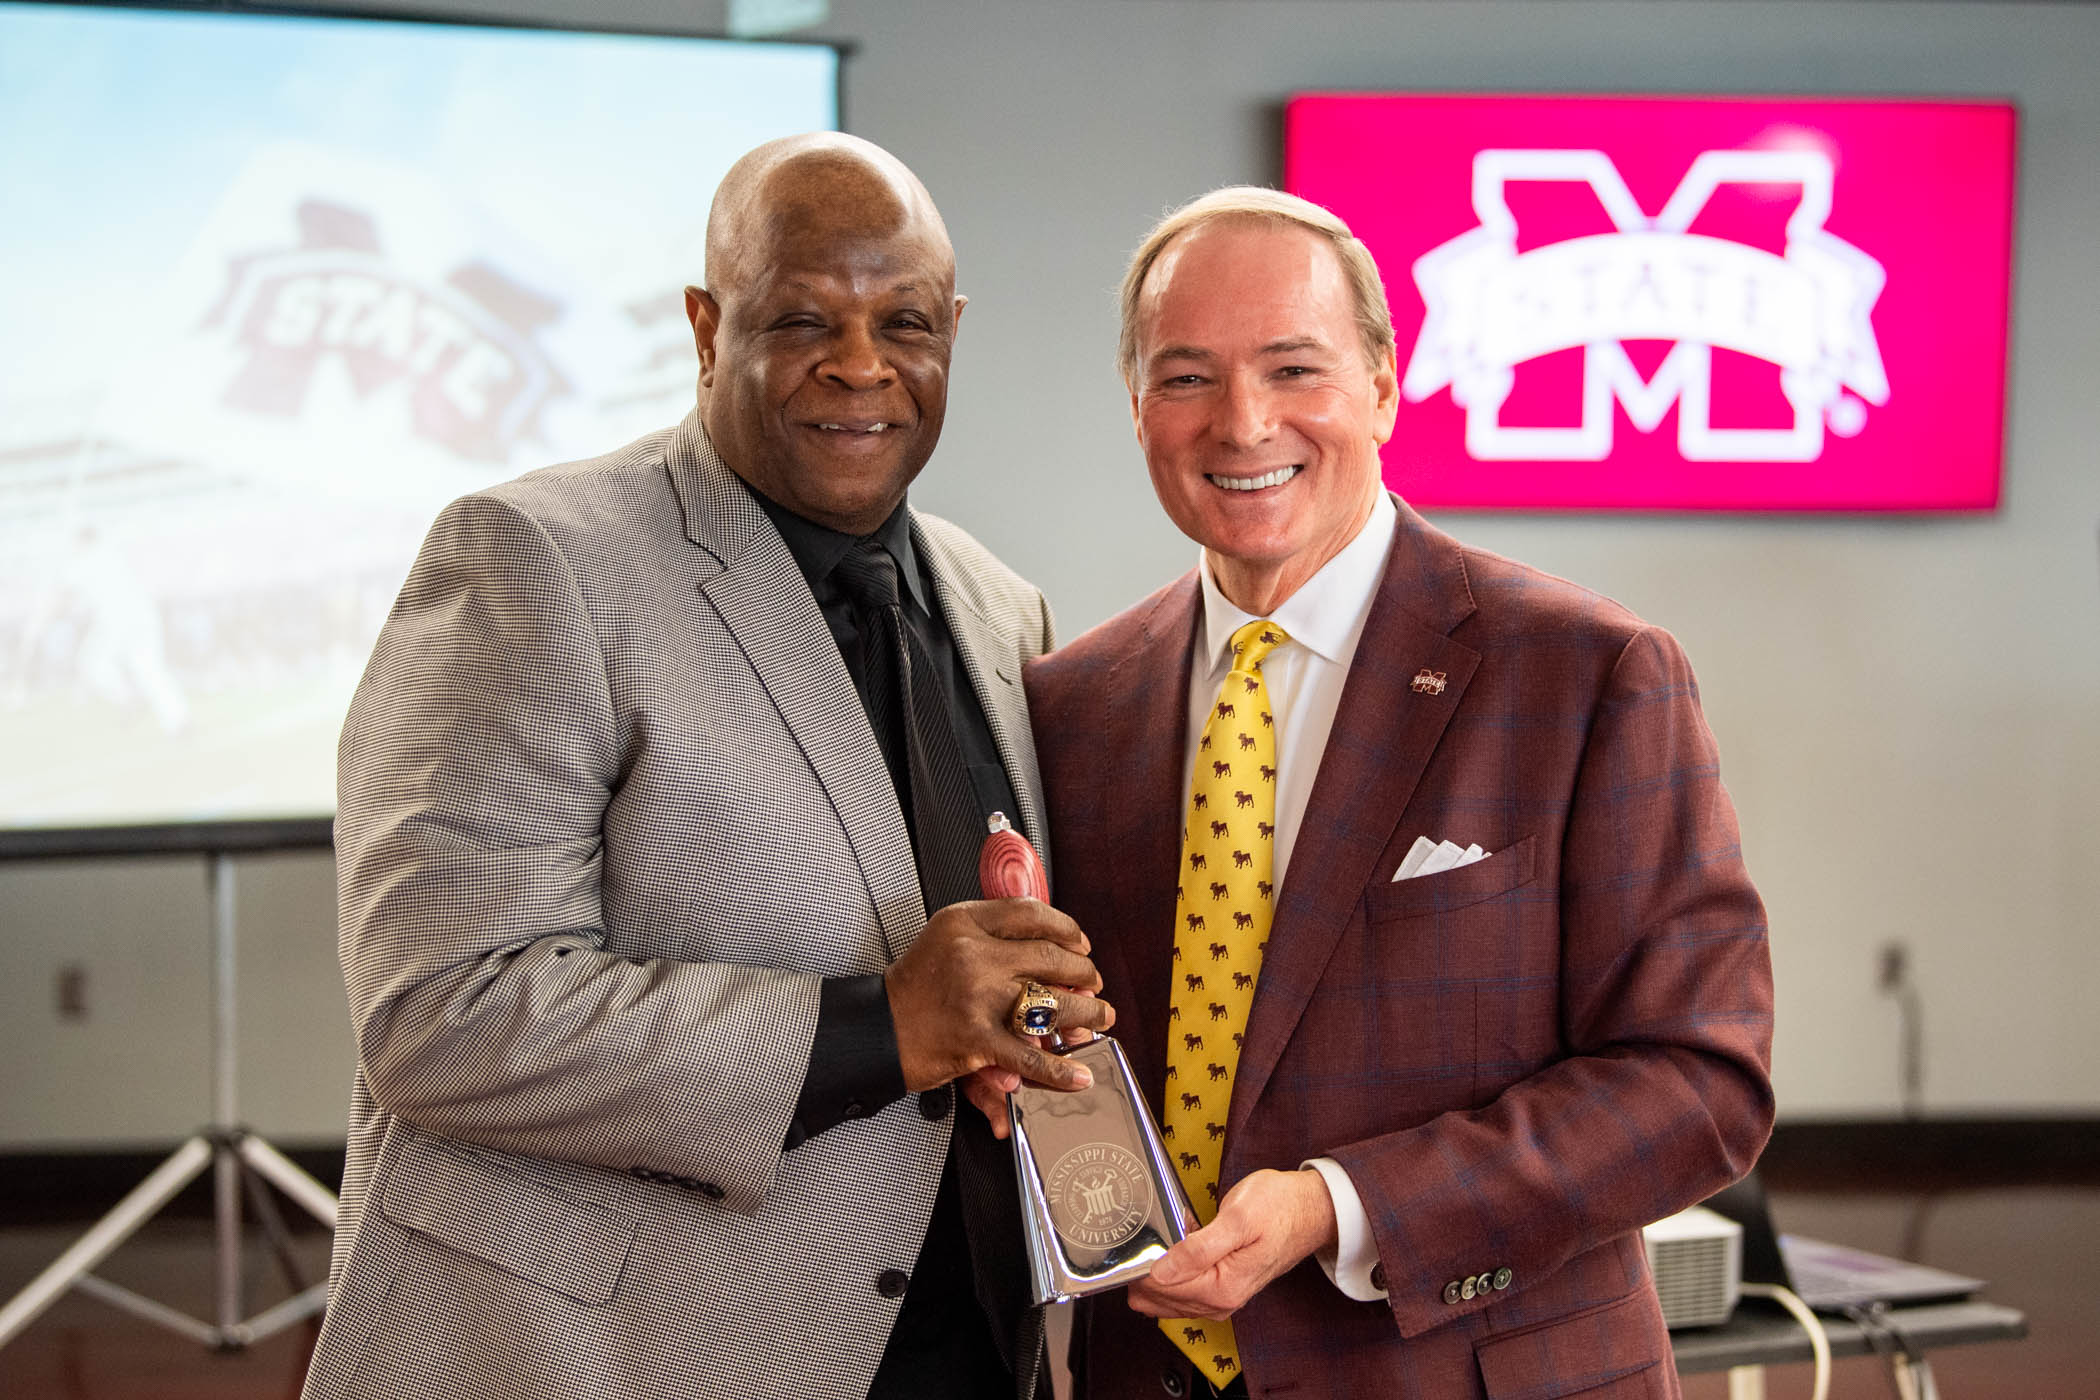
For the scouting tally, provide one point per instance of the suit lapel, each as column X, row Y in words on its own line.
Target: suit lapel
column 1145, row 738
column 1384, row 732
column 989, row 659
column 764, row 601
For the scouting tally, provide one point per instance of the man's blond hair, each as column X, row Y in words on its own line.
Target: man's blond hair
column 1374, row 319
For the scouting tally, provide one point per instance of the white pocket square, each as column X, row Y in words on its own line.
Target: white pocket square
column 1427, row 857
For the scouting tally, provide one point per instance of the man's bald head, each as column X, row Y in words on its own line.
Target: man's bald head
column 826, row 326
column 812, row 185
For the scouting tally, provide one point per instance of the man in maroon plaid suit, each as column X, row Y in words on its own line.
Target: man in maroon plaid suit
column 1459, row 1095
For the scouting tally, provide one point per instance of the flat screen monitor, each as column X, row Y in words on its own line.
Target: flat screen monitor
column 1665, row 303
column 278, row 287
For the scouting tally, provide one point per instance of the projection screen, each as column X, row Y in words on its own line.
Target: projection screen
column 278, row 287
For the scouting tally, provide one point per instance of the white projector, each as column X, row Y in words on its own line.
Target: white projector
column 1697, row 1258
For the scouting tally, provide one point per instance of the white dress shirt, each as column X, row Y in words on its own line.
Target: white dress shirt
column 1324, row 620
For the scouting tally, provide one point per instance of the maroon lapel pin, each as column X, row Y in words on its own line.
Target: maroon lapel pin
column 1428, row 682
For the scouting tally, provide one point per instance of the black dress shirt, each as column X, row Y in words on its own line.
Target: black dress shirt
column 853, row 1065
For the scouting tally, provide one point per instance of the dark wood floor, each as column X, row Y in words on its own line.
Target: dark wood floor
column 2039, row 1246
column 84, row 1349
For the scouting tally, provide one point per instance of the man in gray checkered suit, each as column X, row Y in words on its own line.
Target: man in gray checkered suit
column 646, row 797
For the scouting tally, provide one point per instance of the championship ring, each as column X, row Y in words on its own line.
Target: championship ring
column 1035, row 1010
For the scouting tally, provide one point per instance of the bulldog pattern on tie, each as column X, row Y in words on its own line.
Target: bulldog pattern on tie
column 1222, row 910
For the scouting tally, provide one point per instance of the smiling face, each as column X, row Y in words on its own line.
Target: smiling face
column 1258, row 414
column 824, row 357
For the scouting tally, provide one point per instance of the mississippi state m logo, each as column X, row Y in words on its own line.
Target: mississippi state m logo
column 1805, row 311
column 457, row 359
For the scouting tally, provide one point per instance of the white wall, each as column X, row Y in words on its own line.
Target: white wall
column 1907, row 708
column 136, row 1070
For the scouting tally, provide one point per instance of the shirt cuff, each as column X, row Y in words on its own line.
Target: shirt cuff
column 854, row 1071
column 1353, row 1262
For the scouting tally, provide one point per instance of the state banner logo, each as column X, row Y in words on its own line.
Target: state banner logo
column 457, row 354
column 1806, row 311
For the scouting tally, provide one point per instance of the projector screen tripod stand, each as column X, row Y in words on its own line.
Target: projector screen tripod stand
column 240, row 1162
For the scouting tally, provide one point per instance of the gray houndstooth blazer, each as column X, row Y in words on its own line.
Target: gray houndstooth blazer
column 610, row 810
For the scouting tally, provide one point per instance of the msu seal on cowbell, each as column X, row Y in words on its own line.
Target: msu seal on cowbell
column 1100, row 1196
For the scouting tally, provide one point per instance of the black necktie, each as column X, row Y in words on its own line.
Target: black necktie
column 908, row 710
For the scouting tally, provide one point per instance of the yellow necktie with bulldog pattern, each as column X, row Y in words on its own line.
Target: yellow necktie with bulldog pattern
column 1222, row 909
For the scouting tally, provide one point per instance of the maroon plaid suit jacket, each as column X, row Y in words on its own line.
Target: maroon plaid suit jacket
column 1519, row 1062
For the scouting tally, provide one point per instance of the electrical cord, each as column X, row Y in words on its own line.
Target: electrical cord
column 1894, row 1346
column 1868, row 1319
column 1818, row 1339
column 1913, row 1366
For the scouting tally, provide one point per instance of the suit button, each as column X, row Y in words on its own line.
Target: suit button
column 711, row 1190
column 1467, row 1289
column 856, row 1109
column 1171, row 1382
column 1502, row 1279
column 1451, row 1292
column 1378, row 1277
column 933, row 1104
column 892, row 1283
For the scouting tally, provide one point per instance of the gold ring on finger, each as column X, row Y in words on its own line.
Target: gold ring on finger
column 1035, row 1010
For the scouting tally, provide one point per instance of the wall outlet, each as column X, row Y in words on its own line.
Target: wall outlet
column 1893, row 979
column 1895, row 966
column 71, row 986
